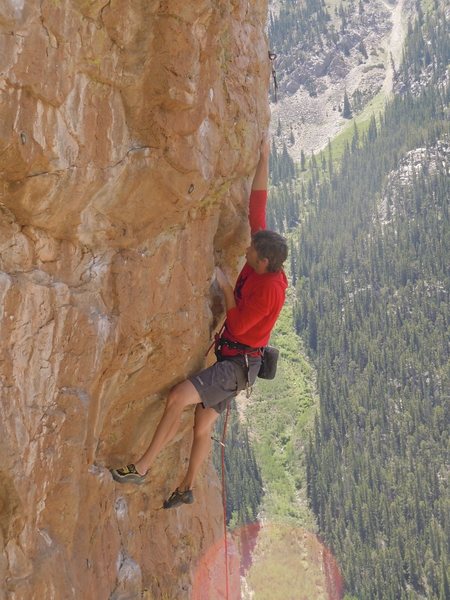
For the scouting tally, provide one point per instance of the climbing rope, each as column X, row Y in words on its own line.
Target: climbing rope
column 224, row 493
column 224, row 501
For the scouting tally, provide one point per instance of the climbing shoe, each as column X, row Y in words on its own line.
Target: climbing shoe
column 127, row 474
column 178, row 498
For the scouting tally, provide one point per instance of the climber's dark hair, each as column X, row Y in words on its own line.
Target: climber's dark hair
column 271, row 245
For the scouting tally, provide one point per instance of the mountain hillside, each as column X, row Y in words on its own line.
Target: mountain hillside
column 327, row 51
column 373, row 307
column 370, row 241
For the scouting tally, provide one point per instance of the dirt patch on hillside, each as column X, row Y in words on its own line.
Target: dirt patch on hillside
column 309, row 120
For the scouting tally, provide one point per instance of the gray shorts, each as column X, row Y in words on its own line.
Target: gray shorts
column 222, row 381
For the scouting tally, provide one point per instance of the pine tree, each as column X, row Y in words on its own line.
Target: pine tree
column 302, row 161
column 355, row 138
column 291, row 137
column 346, row 111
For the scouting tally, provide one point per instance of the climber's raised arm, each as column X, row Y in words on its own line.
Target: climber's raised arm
column 258, row 196
column 261, row 177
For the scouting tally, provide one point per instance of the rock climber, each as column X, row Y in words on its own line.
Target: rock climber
column 252, row 309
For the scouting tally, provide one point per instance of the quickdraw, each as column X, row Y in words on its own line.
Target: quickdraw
column 272, row 57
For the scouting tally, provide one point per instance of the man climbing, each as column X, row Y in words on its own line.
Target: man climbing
column 252, row 309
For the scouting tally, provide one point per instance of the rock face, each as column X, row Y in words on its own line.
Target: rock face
column 398, row 187
column 128, row 137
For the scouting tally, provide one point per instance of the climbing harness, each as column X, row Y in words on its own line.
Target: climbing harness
column 272, row 57
column 220, row 342
column 242, row 350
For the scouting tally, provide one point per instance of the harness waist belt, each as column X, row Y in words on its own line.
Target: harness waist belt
column 237, row 346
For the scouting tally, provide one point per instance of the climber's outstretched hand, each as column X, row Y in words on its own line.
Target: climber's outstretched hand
column 261, row 177
column 265, row 146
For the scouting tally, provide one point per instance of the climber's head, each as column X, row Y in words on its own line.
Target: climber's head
column 267, row 252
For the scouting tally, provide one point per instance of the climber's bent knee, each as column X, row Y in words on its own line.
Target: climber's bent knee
column 182, row 395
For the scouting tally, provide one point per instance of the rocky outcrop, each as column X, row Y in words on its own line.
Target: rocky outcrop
column 399, row 185
column 128, row 137
column 349, row 49
column 425, row 62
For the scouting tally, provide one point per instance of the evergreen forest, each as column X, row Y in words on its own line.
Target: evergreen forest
column 374, row 307
column 372, row 260
column 370, row 264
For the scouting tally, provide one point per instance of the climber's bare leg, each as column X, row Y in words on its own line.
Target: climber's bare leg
column 181, row 396
column 201, row 445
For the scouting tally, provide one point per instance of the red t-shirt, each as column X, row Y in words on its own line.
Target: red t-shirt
column 259, row 297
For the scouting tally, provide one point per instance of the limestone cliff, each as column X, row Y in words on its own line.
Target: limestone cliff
column 128, row 136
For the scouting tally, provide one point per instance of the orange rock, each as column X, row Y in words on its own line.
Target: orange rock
column 128, row 139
